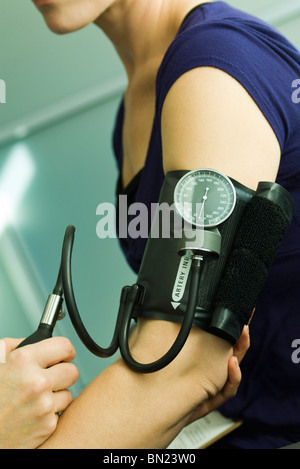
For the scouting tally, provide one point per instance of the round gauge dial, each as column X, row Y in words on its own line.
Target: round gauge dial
column 205, row 197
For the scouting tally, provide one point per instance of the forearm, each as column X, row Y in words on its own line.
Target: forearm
column 117, row 411
column 125, row 409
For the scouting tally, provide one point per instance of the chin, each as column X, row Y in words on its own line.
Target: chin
column 62, row 29
column 60, row 23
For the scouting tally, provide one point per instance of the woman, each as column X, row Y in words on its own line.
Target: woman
column 208, row 86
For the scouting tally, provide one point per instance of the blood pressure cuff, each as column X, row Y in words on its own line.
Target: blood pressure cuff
column 228, row 289
column 265, row 221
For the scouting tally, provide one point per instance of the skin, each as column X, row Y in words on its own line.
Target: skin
column 123, row 409
column 33, row 389
column 236, row 139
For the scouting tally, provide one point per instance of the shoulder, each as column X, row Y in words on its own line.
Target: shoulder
column 243, row 48
column 256, row 57
column 210, row 120
column 237, row 41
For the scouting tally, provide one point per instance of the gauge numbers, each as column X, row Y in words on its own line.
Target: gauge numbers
column 205, row 197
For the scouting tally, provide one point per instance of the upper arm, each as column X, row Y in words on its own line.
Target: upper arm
column 210, row 121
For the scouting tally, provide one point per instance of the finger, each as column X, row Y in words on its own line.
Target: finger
column 62, row 399
column 232, row 384
column 241, row 347
column 228, row 392
column 234, row 378
column 2, row 351
column 51, row 351
column 62, row 376
column 10, row 344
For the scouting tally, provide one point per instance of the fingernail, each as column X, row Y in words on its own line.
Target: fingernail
column 2, row 351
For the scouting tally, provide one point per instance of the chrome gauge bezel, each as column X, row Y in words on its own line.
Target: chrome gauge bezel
column 218, row 193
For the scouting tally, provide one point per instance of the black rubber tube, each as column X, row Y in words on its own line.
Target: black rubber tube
column 129, row 297
column 182, row 335
column 66, row 272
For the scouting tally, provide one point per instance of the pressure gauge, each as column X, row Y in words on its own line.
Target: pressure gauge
column 205, row 197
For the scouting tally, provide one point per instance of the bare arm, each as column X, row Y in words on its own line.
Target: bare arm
column 208, row 120
column 124, row 409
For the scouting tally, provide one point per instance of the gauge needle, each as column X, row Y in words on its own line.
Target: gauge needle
column 204, row 198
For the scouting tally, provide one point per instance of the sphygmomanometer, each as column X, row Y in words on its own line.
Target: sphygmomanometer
column 206, row 271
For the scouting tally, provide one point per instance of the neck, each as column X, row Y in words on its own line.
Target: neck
column 142, row 31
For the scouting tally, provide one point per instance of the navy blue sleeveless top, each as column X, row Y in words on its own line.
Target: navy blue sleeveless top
column 268, row 67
